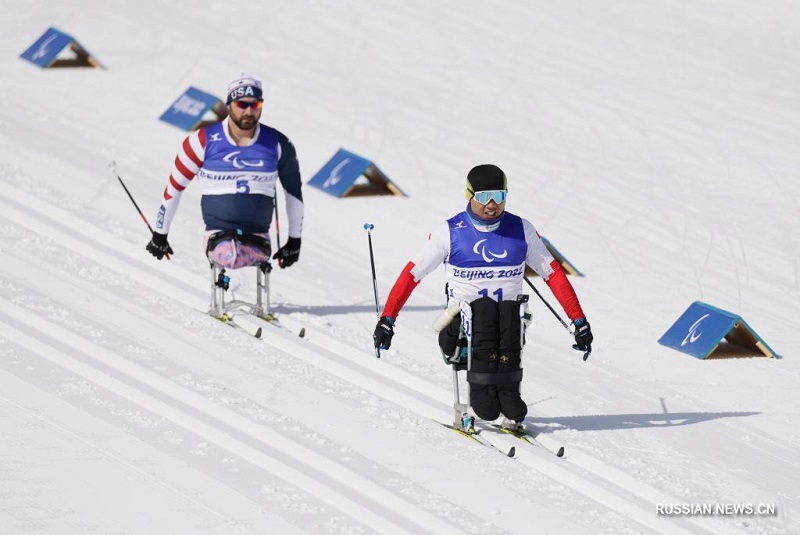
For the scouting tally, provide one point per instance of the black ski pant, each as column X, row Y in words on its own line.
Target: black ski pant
column 495, row 376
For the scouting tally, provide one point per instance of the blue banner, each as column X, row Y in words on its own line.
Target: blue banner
column 698, row 331
column 702, row 327
column 188, row 110
column 338, row 175
column 46, row 49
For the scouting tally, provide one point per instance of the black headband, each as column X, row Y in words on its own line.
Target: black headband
column 244, row 91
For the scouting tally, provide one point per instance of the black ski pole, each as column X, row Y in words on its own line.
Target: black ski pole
column 368, row 227
column 277, row 225
column 277, row 228
column 113, row 166
column 558, row 317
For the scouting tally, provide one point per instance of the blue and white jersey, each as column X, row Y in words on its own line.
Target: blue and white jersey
column 488, row 264
column 230, row 169
column 483, row 260
column 238, row 183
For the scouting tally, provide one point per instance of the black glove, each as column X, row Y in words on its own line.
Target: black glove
column 384, row 331
column 583, row 335
column 159, row 246
column 289, row 253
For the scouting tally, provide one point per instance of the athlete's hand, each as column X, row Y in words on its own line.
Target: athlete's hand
column 289, row 253
column 583, row 335
column 384, row 331
column 159, row 246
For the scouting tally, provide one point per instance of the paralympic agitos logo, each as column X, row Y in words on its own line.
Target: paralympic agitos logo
column 241, row 164
column 693, row 335
column 480, row 248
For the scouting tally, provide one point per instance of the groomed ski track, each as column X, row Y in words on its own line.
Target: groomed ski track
column 308, row 446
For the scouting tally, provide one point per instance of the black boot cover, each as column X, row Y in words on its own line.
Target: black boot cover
column 485, row 342
column 511, row 404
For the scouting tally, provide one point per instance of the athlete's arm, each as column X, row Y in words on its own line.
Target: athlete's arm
column 187, row 163
column 543, row 263
column 289, row 175
column 432, row 254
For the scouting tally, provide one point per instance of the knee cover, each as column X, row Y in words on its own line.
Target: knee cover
column 510, row 327
column 485, row 328
column 448, row 337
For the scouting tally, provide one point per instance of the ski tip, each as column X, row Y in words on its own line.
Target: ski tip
column 512, row 451
column 258, row 333
column 302, row 333
column 560, row 452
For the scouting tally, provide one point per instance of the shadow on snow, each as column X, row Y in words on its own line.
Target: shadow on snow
column 604, row 422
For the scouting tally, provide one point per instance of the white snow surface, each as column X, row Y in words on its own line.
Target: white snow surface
column 654, row 143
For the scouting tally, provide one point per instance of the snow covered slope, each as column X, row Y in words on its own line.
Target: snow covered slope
column 655, row 144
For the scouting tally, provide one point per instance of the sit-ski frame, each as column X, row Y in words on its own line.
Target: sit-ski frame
column 222, row 309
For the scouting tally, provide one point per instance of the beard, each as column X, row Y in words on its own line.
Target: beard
column 245, row 122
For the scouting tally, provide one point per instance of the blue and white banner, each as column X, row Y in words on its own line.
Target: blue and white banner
column 702, row 327
column 188, row 110
column 339, row 174
column 338, row 177
column 47, row 48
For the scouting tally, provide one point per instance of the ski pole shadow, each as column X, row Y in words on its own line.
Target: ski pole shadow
column 606, row 422
column 331, row 310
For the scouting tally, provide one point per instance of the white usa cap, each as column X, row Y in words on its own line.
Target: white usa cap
column 245, row 85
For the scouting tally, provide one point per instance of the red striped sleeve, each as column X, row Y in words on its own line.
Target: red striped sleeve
column 189, row 151
column 174, row 183
column 400, row 293
column 187, row 174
